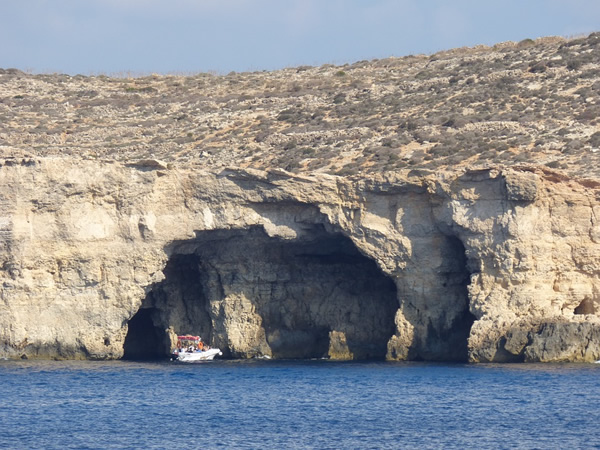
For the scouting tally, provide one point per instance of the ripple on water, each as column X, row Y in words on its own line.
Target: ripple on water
column 274, row 404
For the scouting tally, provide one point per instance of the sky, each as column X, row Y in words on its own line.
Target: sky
column 188, row 36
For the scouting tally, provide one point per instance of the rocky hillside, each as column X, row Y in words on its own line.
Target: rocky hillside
column 442, row 207
column 532, row 102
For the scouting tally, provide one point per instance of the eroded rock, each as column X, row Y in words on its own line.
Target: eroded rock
column 100, row 260
column 564, row 341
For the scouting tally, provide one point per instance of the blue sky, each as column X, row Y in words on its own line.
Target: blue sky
column 187, row 36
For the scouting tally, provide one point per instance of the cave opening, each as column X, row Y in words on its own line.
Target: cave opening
column 175, row 305
column 460, row 278
column 447, row 335
column 464, row 320
column 585, row 307
column 144, row 340
column 252, row 295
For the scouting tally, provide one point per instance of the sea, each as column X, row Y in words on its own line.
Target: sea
column 257, row 404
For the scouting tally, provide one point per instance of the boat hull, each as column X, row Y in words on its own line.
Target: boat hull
column 206, row 355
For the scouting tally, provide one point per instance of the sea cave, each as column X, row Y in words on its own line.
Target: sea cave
column 252, row 295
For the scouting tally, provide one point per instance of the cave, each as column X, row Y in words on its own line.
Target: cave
column 144, row 339
column 585, row 307
column 456, row 280
column 253, row 295
column 445, row 329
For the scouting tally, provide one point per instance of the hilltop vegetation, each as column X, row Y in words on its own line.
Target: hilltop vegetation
column 532, row 102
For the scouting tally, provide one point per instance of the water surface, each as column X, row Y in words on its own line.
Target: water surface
column 309, row 404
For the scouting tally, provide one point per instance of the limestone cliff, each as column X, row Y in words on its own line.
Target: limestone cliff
column 105, row 259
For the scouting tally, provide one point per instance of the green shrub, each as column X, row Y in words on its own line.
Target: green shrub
column 595, row 140
column 538, row 67
column 289, row 145
column 339, row 98
column 525, row 43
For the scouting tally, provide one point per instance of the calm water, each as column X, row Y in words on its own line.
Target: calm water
column 320, row 404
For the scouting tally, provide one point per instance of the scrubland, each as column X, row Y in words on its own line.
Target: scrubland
column 532, row 102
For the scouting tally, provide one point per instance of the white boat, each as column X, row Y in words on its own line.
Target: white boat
column 191, row 349
column 198, row 355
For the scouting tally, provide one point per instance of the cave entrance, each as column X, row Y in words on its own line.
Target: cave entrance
column 144, row 339
column 315, row 296
column 440, row 314
column 585, row 307
column 175, row 305
column 457, row 277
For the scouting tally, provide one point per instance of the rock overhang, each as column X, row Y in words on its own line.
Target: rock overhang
column 254, row 294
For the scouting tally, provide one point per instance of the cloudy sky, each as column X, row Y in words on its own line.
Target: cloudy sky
column 186, row 36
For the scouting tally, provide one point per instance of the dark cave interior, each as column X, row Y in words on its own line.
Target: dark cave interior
column 302, row 290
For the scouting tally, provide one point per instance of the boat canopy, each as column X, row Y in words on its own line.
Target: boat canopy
column 188, row 338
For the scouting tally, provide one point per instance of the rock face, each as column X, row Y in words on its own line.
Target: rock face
column 105, row 260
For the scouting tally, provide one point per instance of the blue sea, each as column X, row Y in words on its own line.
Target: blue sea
column 297, row 404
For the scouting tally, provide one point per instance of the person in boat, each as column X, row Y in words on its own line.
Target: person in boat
column 177, row 350
column 175, row 353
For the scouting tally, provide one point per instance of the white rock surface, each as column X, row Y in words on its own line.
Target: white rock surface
column 515, row 253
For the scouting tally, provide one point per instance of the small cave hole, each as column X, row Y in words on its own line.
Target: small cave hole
column 464, row 321
column 174, row 306
column 585, row 307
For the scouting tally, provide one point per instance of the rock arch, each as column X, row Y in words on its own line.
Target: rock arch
column 251, row 295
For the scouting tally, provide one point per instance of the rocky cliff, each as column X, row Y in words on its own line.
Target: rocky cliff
column 437, row 207
column 103, row 259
